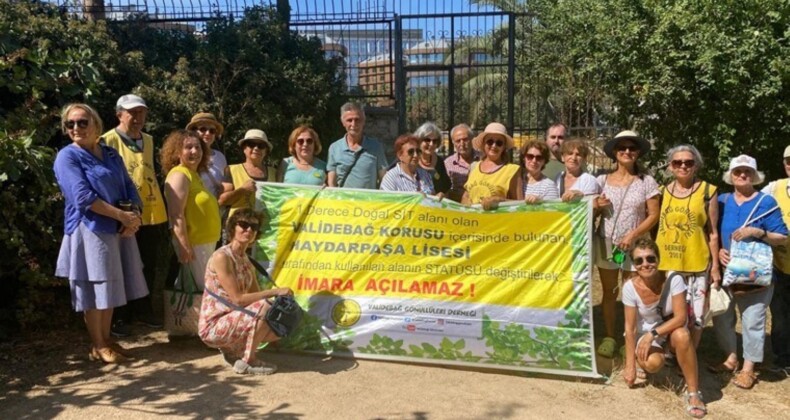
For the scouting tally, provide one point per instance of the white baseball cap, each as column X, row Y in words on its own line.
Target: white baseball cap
column 130, row 102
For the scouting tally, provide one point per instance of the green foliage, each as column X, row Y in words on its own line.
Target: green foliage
column 46, row 61
column 384, row 345
column 710, row 73
column 447, row 350
column 251, row 72
column 564, row 347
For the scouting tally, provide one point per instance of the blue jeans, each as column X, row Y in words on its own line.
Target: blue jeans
column 753, row 307
column 780, row 319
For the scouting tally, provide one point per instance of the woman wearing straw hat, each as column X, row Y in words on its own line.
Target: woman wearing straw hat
column 628, row 206
column 746, row 215
column 209, row 129
column 239, row 184
column 493, row 179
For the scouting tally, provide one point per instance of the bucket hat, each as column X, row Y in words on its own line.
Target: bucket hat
column 205, row 118
column 494, row 129
column 611, row 145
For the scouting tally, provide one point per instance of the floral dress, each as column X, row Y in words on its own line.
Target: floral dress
column 220, row 326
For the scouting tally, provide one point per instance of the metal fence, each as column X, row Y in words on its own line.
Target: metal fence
column 432, row 60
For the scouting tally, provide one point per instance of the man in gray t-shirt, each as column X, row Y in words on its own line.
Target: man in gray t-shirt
column 355, row 161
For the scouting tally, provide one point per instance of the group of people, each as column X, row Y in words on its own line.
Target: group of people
column 113, row 200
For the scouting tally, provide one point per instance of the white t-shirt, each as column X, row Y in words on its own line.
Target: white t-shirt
column 544, row 189
column 212, row 178
column 585, row 183
column 649, row 316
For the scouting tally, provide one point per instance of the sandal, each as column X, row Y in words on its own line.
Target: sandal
column 723, row 368
column 606, row 348
column 120, row 350
column 107, row 355
column 745, row 379
column 641, row 374
column 690, row 408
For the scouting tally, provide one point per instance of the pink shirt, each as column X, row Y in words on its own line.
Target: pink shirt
column 458, row 171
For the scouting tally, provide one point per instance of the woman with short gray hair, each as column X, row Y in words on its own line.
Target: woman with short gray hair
column 430, row 140
column 688, row 236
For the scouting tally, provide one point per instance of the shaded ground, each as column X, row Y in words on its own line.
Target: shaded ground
column 47, row 374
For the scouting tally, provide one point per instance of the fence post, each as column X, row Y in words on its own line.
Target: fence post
column 511, row 70
column 400, row 77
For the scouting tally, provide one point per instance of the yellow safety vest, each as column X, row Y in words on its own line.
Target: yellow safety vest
column 140, row 165
column 782, row 253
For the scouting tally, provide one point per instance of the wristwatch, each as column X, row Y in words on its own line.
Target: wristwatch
column 655, row 333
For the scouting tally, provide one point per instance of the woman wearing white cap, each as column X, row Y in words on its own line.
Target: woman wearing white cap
column 493, row 179
column 628, row 206
column 765, row 224
column 239, row 180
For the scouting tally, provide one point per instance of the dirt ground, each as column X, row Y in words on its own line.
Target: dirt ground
column 46, row 375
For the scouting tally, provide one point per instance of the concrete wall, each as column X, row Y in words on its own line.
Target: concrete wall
column 382, row 124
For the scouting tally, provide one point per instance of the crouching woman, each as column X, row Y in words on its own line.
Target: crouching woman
column 231, row 317
column 655, row 321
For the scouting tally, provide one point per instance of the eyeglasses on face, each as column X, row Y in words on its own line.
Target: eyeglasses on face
column 306, row 140
column 689, row 163
column 742, row 172
column 81, row 123
column 530, row 156
column 256, row 145
column 210, row 130
column 247, row 225
column 413, row 151
column 627, row 148
column 432, row 140
column 650, row 259
column 498, row 143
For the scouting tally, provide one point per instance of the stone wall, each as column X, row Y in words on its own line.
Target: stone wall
column 382, row 124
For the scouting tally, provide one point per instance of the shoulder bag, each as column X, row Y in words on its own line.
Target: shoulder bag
column 751, row 262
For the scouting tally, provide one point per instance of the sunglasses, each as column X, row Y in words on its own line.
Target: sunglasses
column 413, row 151
column 255, row 145
column 687, row 163
column 741, row 171
column 530, row 156
column 247, row 225
column 81, row 123
column 308, row 141
column 432, row 140
column 628, row 148
column 491, row 142
column 210, row 130
column 650, row 259
column 787, row 161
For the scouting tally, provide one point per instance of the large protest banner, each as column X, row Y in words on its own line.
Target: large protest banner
column 400, row 276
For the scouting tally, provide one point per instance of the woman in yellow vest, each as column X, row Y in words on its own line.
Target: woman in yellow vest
column 493, row 179
column 780, row 304
column 239, row 184
column 192, row 210
column 688, row 237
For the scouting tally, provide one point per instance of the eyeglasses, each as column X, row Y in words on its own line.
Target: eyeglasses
column 650, row 259
column 741, row 172
column 530, row 156
column 81, row 123
column 210, row 130
column 247, row 225
column 256, row 145
column 627, row 148
column 432, row 140
column 414, row 151
column 491, row 142
column 308, row 141
column 687, row 163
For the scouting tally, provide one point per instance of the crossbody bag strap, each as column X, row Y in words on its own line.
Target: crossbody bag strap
column 231, row 305
column 751, row 219
column 357, row 154
column 620, row 207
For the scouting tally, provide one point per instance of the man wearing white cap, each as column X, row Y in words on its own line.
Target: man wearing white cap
column 137, row 150
column 780, row 303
